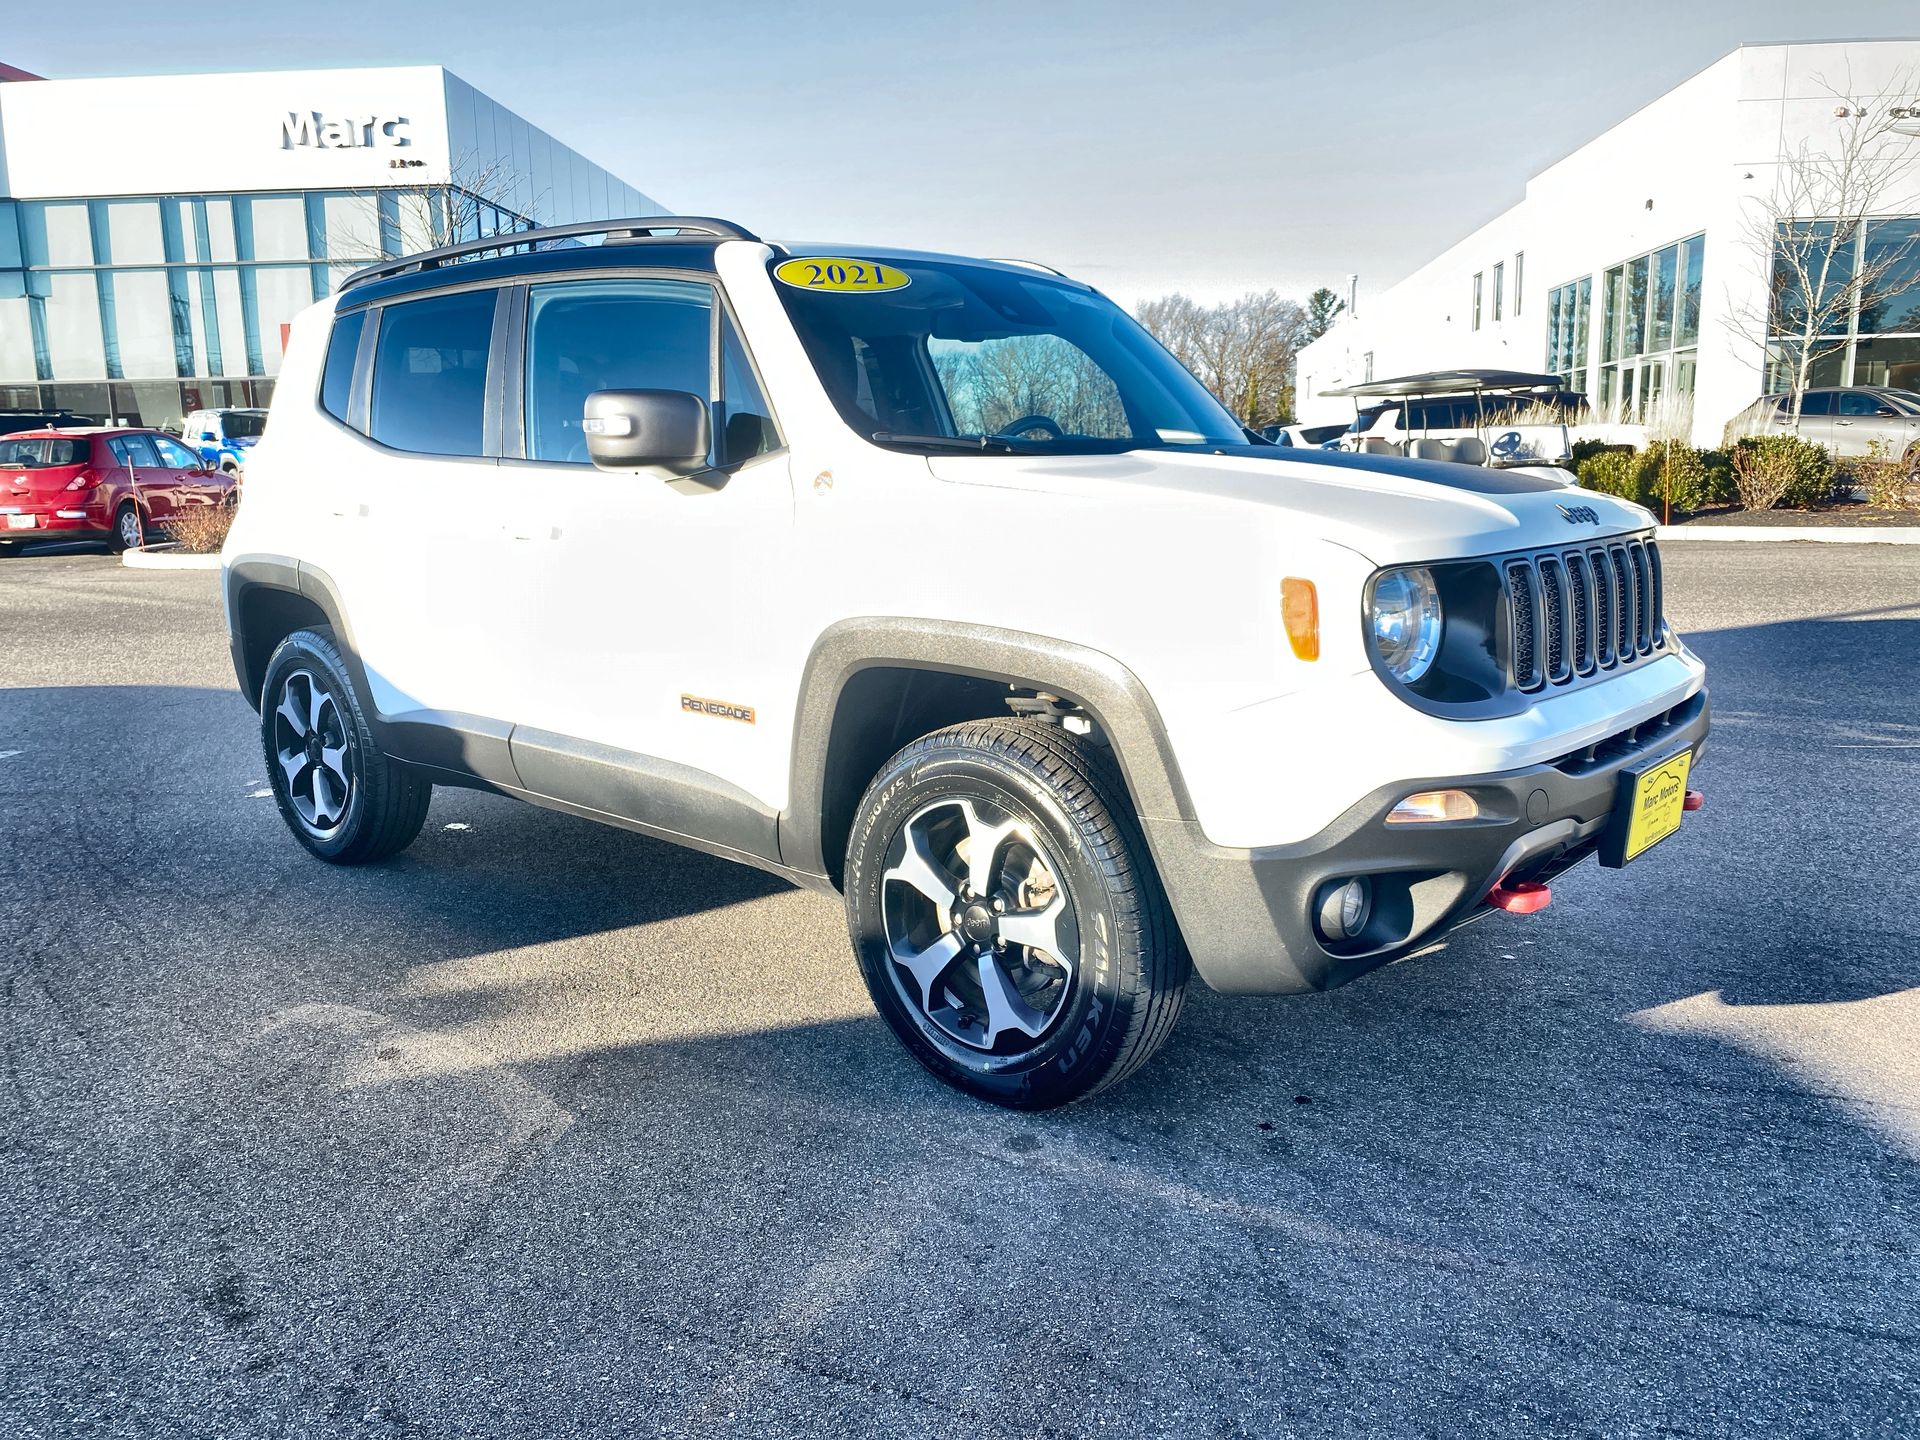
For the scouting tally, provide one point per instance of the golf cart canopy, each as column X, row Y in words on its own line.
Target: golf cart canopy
column 1449, row 382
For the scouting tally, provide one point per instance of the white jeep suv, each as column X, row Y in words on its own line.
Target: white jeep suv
column 938, row 584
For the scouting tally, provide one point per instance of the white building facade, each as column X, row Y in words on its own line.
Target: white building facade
column 157, row 232
column 1631, row 268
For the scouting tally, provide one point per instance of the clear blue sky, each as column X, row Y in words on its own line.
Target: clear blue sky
column 1208, row 147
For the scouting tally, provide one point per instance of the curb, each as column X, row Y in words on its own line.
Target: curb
column 168, row 560
column 1823, row 534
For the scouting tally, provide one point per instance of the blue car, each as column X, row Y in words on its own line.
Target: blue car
column 223, row 437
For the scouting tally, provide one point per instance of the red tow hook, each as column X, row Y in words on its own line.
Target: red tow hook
column 1694, row 800
column 1521, row 897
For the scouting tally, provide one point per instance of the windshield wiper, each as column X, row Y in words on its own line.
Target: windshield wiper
column 986, row 444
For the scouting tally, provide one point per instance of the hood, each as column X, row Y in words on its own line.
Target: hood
column 1389, row 510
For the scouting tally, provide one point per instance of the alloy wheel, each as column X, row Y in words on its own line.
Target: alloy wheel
column 982, row 936
column 310, row 744
column 131, row 533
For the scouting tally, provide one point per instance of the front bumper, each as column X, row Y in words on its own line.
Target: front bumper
column 1247, row 915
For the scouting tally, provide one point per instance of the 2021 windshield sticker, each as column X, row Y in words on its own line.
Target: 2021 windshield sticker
column 840, row 276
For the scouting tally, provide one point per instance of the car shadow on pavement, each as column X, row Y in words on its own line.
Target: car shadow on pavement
column 389, row 1140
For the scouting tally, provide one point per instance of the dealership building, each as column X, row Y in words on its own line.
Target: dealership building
column 158, row 233
column 1636, row 269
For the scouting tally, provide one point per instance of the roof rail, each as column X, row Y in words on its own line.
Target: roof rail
column 638, row 228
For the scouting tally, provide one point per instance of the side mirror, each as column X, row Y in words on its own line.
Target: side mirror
column 666, row 430
column 1886, row 411
column 210, row 436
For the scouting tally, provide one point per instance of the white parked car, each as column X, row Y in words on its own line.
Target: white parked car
column 936, row 583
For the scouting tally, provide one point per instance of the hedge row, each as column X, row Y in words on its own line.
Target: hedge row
column 1759, row 473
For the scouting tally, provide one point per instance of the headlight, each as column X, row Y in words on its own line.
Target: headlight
column 1403, row 618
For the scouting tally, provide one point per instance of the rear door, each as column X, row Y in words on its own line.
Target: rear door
column 1816, row 417
column 137, row 468
column 423, row 548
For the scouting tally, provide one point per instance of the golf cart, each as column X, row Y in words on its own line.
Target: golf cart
column 1505, row 419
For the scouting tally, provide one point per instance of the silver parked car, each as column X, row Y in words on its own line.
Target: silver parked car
column 1847, row 420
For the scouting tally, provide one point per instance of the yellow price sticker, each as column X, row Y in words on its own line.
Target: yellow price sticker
column 840, row 276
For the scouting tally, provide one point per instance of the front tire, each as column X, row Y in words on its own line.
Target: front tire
column 340, row 796
column 1008, row 922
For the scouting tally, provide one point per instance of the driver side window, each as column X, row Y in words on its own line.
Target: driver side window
column 590, row 335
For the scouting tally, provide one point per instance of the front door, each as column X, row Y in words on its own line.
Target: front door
column 651, row 611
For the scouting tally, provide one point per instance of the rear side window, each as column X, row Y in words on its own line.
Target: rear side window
column 607, row 335
column 430, row 375
column 336, row 384
column 135, row 450
column 1817, row 402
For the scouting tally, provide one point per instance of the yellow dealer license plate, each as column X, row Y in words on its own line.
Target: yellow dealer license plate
column 1653, row 799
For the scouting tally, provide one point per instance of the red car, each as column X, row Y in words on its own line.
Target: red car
column 98, row 484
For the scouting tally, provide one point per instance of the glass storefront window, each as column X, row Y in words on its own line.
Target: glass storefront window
column 1635, row 314
column 351, row 228
column 1892, row 271
column 76, row 348
column 275, row 224
column 1660, row 322
column 1824, row 253
column 134, row 235
column 57, row 233
column 159, row 290
column 280, row 293
column 1894, row 364
column 219, row 238
column 142, row 311
column 1686, row 326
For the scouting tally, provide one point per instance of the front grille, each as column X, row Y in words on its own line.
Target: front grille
column 1577, row 611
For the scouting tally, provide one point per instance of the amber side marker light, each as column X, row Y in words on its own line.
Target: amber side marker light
column 1430, row 805
column 1300, row 611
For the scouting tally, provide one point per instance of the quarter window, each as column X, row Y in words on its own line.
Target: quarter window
column 336, row 384
column 609, row 335
column 746, row 428
column 430, row 374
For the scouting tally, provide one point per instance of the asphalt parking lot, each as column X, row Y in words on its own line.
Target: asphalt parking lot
column 546, row 1129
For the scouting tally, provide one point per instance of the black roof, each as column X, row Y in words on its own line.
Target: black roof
column 673, row 241
column 1450, row 382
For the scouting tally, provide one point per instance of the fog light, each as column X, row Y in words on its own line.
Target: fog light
column 1345, row 906
column 1431, row 805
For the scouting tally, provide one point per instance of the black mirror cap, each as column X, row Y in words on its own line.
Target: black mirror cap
column 667, row 430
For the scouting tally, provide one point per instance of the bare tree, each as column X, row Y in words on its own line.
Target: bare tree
column 1807, row 233
column 464, row 209
column 1243, row 350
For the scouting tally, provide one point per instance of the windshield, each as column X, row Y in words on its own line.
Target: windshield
column 244, row 424
column 32, row 454
column 968, row 357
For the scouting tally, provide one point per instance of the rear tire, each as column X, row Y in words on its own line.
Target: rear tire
column 128, row 532
column 342, row 798
column 1008, row 921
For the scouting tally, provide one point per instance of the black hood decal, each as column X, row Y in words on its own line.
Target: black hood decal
column 1476, row 478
